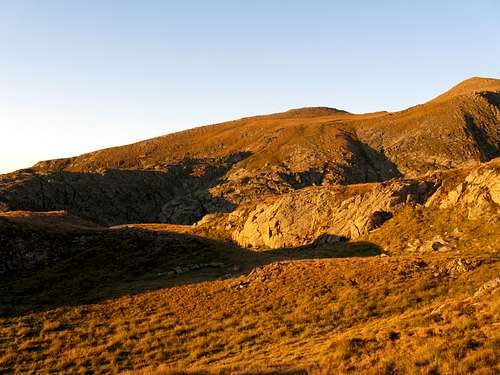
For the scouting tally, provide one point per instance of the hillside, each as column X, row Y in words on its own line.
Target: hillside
column 313, row 241
column 219, row 167
column 464, row 115
column 423, row 301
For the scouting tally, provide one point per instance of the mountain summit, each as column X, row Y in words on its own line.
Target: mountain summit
column 470, row 86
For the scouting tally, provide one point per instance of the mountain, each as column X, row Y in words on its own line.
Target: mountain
column 313, row 241
column 180, row 177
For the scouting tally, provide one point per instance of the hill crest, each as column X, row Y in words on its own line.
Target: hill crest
column 470, row 86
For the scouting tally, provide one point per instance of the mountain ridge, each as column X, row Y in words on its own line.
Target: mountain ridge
column 216, row 168
column 466, row 87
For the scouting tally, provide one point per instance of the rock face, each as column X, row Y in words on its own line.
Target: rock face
column 479, row 193
column 188, row 209
column 117, row 196
column 181, row 177
column 328, row 214
column 322, row 214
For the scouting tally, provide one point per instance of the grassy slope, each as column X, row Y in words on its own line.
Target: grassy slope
column 346, row 314
column 372, row 314
column 324, row 134
column 87, row 263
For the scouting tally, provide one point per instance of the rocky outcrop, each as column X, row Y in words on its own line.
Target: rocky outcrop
column 117, row 196
column 326, row 215
column 479, row 193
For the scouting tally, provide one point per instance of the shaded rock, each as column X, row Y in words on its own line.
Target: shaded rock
column 328, row 239
column 115, row 196
column 182, row 210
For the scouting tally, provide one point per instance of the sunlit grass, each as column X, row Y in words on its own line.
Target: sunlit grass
column 350, row 314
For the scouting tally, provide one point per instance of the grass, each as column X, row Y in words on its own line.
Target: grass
column 466, row 237
column 345, row 314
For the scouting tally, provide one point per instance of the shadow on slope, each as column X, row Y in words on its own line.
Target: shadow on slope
column 118, row 196
column 179, row 193
column 488, row 149
column 118, row 262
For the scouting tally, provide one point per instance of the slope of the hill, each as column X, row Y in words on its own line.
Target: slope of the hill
column 180, row 177
column 280, row 138
column 416, row 292
column 469, row 86
column 372, row 315
column 52, row 258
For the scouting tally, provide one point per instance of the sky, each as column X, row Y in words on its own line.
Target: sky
column 81, row 75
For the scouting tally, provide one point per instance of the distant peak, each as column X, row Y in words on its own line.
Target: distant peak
column 311, row 112
column 469, row 86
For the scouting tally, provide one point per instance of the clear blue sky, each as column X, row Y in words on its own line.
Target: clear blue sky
column 76, row 76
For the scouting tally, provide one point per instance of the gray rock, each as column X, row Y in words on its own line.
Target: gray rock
column 322, row 214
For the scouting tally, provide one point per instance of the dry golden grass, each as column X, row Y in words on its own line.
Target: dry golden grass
column 377, row 315
column 466, row 236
